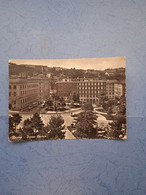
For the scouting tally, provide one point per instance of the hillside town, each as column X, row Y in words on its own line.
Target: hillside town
column 66, row 103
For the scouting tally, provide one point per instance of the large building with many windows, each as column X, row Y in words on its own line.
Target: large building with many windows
column 27, row 92
column 66, row 88
column 114, row 89
column 90, row 90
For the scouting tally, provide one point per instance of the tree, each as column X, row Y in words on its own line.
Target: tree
column 120, row 119
column 37, row 123
column 87, row 106
column 32, row 126
column 109, row 104
column 110, row 111
column 27, row 129
column 16, row 119
column 49, row 103
column 75, row 97
column 11, row 123
column 86, row 125
column 11, row 126
column 55, row 127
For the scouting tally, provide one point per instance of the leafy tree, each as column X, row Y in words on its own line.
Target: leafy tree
column 86, row 125
column 16, row 119
column 11, row 126
column 49, row 103
column 27, row 129
column 37, row 123
column 102, row 98
column 109, row 104
column 11, row 123
column 55, row 127
column 87, row 106
column 32, row 126
column 75, row 97
column 120, row 119
column 109, row 111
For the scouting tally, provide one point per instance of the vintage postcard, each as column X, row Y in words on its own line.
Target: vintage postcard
column 58, row 99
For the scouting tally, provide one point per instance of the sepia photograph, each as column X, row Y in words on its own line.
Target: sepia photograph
column 55, row 99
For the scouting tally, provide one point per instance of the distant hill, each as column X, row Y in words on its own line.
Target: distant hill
column 31, row 70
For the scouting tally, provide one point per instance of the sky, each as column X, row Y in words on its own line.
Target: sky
column 82, row 63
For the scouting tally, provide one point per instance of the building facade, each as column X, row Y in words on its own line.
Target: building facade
column 114, row 89
column 118, row 90
column 90, row 90
column 66, row 88
column 27, row 92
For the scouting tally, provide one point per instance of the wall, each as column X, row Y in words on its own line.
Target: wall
column 34, row 29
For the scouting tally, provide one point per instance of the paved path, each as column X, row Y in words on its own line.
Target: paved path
column 102, row 121
column 69, row 135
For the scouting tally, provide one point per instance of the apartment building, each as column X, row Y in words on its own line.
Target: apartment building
column 26, row 92
column 66, row 88
column 90, row 90
column 118, row 90
column 114, row 89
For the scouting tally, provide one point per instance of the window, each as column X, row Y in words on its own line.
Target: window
column 9, row 86
column 9, row 93
column 14, row 87
column 14, row 93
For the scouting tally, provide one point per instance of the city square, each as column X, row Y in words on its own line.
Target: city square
column 66, row 103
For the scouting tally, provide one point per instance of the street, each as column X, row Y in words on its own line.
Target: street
column 102, row 121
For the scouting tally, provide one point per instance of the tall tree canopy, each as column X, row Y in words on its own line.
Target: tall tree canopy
column 86, row 125
column 55, row 127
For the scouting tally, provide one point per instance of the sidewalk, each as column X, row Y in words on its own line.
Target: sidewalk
column 69, row 135
column 66, row 111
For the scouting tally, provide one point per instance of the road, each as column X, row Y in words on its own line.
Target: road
column 69, row 135
column 102, row 121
